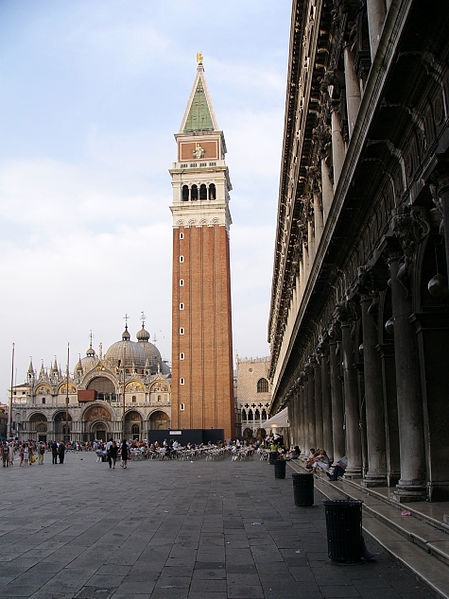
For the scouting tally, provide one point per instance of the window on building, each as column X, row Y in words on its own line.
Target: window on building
column 181, row 381
column 181, row 306
column 181, row 356
column 182, row 407
column 250, row 415
column 134, row 399
column 194, row 193
column 262, row 386
column 212, row 193
column 181, row 236
column 43, row 400
column 203, row 192
column 181, row 282
column 185, row 193
column 181, row 331
column 181, row 259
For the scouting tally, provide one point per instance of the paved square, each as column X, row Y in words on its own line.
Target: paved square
column 173, row 529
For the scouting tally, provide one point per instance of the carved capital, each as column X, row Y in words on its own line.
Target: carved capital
column 410, row 227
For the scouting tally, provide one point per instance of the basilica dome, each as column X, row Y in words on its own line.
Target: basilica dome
column 127, row 351
column 152, row 353
column 90, row 360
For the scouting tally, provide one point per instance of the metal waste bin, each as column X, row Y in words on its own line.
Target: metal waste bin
column 273, row 457
column 344, row 530
column 303, row 488
column 279, row 469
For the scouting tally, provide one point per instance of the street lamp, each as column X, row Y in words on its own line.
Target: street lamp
column 9, row 431
column 67, row 396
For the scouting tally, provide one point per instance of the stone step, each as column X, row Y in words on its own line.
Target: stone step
column 418, row 541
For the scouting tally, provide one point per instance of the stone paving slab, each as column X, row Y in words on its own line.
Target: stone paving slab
column 181, row 530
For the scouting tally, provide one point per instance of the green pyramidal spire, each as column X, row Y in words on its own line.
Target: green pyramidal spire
column 199, row 115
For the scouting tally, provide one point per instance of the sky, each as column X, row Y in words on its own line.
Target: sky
column 91, row 95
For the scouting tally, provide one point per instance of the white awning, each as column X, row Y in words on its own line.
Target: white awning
column 278, row 420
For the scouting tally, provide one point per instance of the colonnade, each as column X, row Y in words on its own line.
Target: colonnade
column 365, row 386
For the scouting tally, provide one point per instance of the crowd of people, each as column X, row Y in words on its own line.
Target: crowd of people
column 30, row 452
column 33, row 452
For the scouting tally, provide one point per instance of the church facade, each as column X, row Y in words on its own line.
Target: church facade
column 124, row 393
column 359, row 319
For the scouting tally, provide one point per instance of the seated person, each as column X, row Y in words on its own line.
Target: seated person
column 293, row 453
column 339, row 468
column 311, row 459
column 321, row 461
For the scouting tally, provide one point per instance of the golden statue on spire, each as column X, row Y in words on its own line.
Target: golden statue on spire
column 199, row 58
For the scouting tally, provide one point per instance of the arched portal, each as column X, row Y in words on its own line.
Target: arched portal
column 159, row 421
column 38, row 427
column 62, row 426
column 133, row 425
column 96, row 423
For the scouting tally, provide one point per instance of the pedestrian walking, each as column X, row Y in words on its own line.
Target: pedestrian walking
column 54, row 452
column 124, row 454
column 112, row 455
column 61, row 452
column 40, row 453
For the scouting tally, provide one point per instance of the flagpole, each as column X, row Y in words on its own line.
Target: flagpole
column 67, row 396
column 9, row 432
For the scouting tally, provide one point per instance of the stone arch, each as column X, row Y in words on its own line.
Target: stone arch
column 105, row 387
column 159, row 420
column 133, row 425
column 38, row 426
column 63, row 389
column 62, row 425
column 96, row 421
column 43, row 390
column 134, row 386
column 247, row 433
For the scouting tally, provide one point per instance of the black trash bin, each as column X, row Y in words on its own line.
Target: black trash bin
column 303, row 488
column 344, row 530
column 273, row 457
column 279, row 469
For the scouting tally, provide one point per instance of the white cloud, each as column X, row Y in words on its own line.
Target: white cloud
column 92, row 94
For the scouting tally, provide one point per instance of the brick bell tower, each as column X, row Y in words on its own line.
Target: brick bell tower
column 202, row 357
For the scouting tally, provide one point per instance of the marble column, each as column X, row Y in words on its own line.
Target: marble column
column 351, row 400
column 338, row 432
column 318, row 403
column 440, row 187
column 338, row 144
column 327, row 190
column 376, row 17
column 386, row 355
column 303, row 440
column 318, row 218
column 411, row 486
column 376, row 474
column 352, row 86
column 310, row 422
column 326, row 398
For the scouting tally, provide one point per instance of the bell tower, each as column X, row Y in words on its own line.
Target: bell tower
column 202, row 357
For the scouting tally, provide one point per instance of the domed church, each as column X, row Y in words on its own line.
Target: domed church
column 123, row 393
